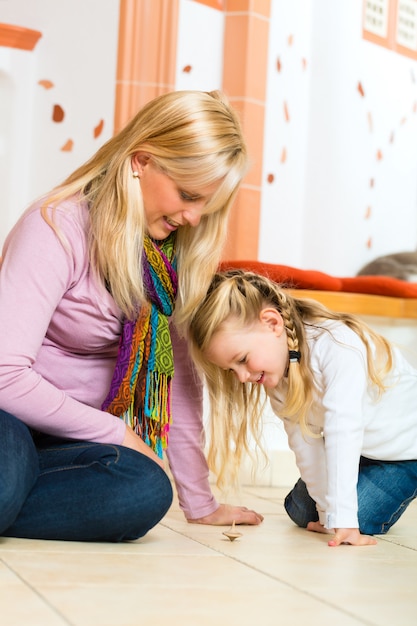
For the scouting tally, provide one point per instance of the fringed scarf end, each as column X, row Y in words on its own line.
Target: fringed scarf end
column 140, row 391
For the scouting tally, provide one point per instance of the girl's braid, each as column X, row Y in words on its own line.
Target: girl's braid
column 274, row 295
column 288, row 315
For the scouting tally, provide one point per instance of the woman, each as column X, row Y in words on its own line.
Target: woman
column 89, row 279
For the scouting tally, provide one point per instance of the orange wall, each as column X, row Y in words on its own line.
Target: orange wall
column 147, row 53
column 244, row 81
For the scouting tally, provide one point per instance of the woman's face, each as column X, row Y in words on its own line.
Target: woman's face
column 257, row 353
column 168, row 207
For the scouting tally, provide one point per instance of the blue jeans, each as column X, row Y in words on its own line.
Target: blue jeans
column 76, row 490
column 385, row 489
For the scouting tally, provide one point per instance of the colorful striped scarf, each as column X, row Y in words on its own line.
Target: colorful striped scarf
column 140, row 391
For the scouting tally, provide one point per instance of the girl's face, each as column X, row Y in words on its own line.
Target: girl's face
column 168, row 207
column 257, row 353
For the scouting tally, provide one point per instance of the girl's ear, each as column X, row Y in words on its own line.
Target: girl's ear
column 139, row 161
column 273, row 319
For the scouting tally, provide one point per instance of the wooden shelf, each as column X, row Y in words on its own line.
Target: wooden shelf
column 361, row 304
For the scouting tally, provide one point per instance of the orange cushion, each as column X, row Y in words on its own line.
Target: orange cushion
column 313, row 279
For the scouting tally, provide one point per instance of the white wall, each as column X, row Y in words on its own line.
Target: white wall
column 314, row 214
column 77, row 53
column 200, row 50
column 282, row 208
column 17, row 77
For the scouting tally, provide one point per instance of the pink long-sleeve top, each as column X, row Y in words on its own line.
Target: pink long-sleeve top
column 60, row 332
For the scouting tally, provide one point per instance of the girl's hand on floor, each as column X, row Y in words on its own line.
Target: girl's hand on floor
column 351, row 536
column 226, row 514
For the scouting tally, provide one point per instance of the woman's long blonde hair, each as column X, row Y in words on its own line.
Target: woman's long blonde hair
column 196, row 139
column 236, row 408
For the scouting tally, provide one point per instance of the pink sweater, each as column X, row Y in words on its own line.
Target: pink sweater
column 60, row 332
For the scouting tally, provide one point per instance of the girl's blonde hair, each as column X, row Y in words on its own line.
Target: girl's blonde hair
column 196, row 139
column 236, row 408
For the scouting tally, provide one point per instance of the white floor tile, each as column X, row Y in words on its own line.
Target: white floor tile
column 193, row 575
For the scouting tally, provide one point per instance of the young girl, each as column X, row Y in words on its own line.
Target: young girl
column 348, row 400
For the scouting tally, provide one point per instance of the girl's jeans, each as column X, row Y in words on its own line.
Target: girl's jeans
column 76, row 490
column 385, row 489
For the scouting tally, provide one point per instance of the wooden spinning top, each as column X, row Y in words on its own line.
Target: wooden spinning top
column 232, row 534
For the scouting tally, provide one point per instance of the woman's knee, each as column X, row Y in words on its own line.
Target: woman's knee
column 147, row 500
column 98, row 493
column 141, row 494
column 139, row 487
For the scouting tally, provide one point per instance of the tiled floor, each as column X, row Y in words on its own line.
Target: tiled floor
column 189, row 575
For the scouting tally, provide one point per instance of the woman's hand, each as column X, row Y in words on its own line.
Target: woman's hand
column 226, row 514
column 351, row 536
column 134, row 442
